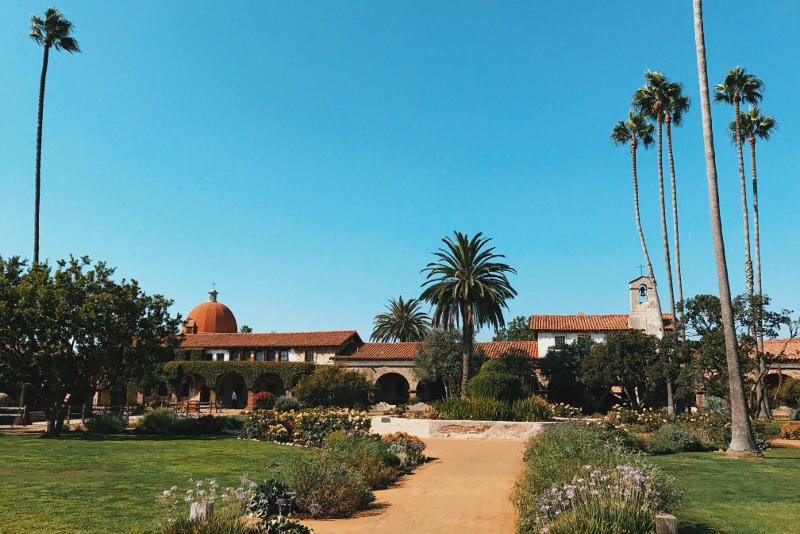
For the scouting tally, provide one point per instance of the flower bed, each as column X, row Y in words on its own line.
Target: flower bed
column 306, row 427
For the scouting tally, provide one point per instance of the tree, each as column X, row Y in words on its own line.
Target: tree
column 440, row 357
column 519, row 329
column 54, row 31
column 563, row 368
column 334, row 385
column 468, row 289
column 623, row 360
column 742, row 442
column 75, row 331
column 245, row 329
column 404, row 322
column 740, row 86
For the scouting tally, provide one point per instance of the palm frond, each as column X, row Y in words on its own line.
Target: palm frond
column 54, row 31
column 738, row 81
column 404, row 322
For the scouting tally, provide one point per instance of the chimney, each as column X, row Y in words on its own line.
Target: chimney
column 580, row 314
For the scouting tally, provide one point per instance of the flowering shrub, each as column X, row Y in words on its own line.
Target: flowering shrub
column 286, row 404
column 263, row 401
column 565, row 410
column 714, row 430
column 670, row 439
column 534, row 408
column 592, row 493
column 406, row 447
column 646, row 420
column 790, row 430
column 309, row 427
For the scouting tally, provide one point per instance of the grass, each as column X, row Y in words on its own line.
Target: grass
column 109, row 484
column 737, row 496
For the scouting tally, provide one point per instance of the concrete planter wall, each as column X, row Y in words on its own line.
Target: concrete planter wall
column 438, row 428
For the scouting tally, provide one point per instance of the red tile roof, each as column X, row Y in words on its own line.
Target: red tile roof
column 774, row 346
column 406, row 351
column 286, row 340
column 583, row 323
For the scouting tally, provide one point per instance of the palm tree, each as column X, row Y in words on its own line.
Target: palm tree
column 403, row 322
column 468, row 289
column 650, row 100
column 54, row 31
column 752, row 125
column 742, row 442
column 632, row 131
column 740, row 86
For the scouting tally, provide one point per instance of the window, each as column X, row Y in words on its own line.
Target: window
column 284, row 355
column 271, row 356
column 259, row 356
column 561, row 341
column 309, row 355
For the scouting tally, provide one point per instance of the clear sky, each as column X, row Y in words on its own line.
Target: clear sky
column 309, row 156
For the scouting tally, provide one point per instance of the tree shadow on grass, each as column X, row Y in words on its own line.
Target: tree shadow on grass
column 145, row 437
column 699, row 528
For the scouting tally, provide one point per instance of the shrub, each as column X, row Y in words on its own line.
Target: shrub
column 533, row 408
column 790, row 430
column 645, row 420
column 565, row 410
column 334, row 386
column 286, row 404
column 496, row 385
column 263, row 401
column 790, row 390
column 473, row 409
column 670, row 439
column 716, row 405
column 107, row 423
column 595, row 518
column 493, row 366
column 321, row 478
column 161, row 421
column 271, row 497
column 165, row 422
column 310, row 427
column 794, row 415
column 225, row 523
column 407, row 448
column 554, row 458
column 713, row 430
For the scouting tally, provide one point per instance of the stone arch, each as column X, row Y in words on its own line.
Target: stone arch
column 431, row 391
column 229, row 383
column 392, row 388
column 270, row 382
column 190, row 387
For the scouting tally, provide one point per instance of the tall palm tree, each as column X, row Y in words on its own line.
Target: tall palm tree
column 468, row 289
column 404, row 322
column 739, row 86
column 631, row 131
column 54, row 31
column 753, row 125
column 742, row 442
column 650, row 100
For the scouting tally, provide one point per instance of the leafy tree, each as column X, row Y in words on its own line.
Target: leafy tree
column 54, row 31
column 563, row 368
column 743, row 443
column 440, row 357
column 467, row 288
column 404, row 322
column 334, row 385
column 623, row 360
column 519, row 329
column 74, row 331
column 245, row 329
column 519, row 363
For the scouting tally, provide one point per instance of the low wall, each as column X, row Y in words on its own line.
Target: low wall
column 451, row 429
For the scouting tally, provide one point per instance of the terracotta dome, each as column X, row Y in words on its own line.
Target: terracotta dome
column 211, row 317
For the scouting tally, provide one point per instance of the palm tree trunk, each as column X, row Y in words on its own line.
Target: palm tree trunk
column 675, row 237
column 764, row 410
column 748, row 262
column 39, row 155
column 664, row 221
column 466, row 344
column 742, row 442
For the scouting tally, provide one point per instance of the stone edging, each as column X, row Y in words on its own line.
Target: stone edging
column 457, row 429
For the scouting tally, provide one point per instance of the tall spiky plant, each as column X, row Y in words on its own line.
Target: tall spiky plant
column 404, row 322
column 54, row 31
column 467, row 288
column 742, row 442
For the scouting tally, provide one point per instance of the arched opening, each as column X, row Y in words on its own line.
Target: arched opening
column 642, row 294
column 231, row 391
column 205, row 394
column 392, row 388
column 270, row 382
column 431, row 391
column 190, row 388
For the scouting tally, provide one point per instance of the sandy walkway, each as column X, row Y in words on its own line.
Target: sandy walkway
column 464, row 490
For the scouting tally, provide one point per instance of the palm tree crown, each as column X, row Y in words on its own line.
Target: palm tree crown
column 754, row 125
column 634, row 129
column 53, row 31
column 466, row 287
column 659, row 97
column 403, row 322
column 738, row 83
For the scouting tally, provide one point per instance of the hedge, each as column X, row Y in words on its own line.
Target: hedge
column 290, row 372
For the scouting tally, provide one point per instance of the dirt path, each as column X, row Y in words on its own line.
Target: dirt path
column 464, row 490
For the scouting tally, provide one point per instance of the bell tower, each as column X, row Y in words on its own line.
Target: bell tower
column 645, row 307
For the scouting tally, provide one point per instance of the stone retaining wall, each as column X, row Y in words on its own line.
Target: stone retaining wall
column 451, row 429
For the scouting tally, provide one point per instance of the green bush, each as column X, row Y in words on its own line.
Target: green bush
column 555, row 458
column 320, row 477
column 334, row 386
column 270, row 497
column 670, row 439
column 493, row 366
column 716, row 405
column 286, row 404
column 714, row 430
column 794, row 415
column 107, row 423
column 473, row 410
column 496, row 385
column 790, row 391
column 533, row 408
column 364, row 454
column 603, row 520
column 165, row 422
column 225, row 523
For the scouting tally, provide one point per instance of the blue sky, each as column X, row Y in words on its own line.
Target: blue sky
column 309, row 156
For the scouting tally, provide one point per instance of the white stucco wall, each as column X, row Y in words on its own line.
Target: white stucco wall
column 548, row 339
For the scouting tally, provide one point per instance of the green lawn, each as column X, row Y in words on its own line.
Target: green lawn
column 737, row 496
column 100, row 485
